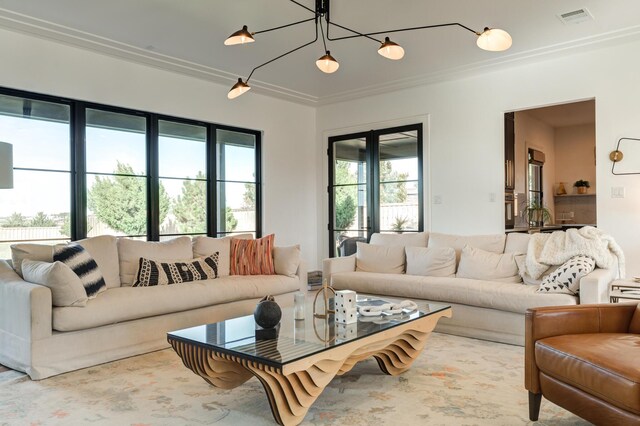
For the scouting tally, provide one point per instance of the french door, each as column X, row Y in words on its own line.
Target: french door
column 375, row 185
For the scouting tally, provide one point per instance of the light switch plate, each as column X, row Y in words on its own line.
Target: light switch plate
column 437, row 199
column 617, row 192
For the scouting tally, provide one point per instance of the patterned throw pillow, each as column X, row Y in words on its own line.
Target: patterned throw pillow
column 566, row 279
column 80, row 261
column 152, row 272
column 252, row 257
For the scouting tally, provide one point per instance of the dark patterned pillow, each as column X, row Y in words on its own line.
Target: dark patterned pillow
column 566, row 279
column 80, row 261
column 152, row 272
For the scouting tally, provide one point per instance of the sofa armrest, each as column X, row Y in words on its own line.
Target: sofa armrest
column 302, row 275
column 594, row 287
column 551, row 321
column 25, row 308
column 334, row 265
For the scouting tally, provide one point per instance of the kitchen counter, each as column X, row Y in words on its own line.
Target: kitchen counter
column 549, row 228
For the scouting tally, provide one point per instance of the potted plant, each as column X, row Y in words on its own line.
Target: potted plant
column 582, row 185
column 536, row 214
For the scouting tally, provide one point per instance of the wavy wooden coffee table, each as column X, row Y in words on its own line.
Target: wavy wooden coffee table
column 296, row 366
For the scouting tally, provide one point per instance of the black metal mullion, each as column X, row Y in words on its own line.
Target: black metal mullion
column 78, row 224
column 420, row 179
column 258, row 183
column 373, row 183
column 330, row 190
column 212, row 226
column 153, row 183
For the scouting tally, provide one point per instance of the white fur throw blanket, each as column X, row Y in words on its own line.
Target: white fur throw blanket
column 556, row 248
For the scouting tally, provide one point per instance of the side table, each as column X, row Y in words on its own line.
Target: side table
column 624, row 289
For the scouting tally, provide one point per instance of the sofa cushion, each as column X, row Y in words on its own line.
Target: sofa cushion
column 374, row 258
column 206, row 246
column 83, row 265
column 130, row 251
column 605, row 365
column 493, row 243
column 66, row 287
column 566, row 279
column 465, row 291
column 517, row 242
column 431, row 261
column 286, row 260
column 21, row 251
column 130, row 303
column 483, row 265
column 407, row 239
column 252, row 257
column 151, row 272
column 104, row 250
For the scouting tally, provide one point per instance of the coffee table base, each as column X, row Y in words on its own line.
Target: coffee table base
column 293, row 388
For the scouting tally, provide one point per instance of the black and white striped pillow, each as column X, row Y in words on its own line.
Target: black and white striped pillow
column 80, row 261
column 153, row 272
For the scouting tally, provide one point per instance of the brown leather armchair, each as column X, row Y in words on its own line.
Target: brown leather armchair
column 586, row 359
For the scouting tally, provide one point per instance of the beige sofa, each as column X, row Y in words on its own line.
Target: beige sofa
column 484, row 309
column 44, row 340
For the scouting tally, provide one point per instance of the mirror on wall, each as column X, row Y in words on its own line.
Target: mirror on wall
column 550, row 168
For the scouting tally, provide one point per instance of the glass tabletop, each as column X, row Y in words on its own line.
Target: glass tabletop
column 295, row 339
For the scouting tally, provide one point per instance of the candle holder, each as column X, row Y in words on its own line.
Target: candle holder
column 324, row 291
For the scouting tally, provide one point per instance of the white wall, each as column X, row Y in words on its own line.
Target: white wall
column 574, row 150
column 466, row 136
column 289, row 156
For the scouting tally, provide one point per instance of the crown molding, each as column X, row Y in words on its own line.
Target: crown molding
column 72, row 37
column 69, row 36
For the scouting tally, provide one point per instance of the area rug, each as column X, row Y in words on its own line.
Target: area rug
column 455, row 381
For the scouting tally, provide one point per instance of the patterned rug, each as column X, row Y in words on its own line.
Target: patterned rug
column 455, row 381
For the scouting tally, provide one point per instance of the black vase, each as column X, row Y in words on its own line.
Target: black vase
column 267, row 313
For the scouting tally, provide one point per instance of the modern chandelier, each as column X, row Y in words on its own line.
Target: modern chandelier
column 491, row 39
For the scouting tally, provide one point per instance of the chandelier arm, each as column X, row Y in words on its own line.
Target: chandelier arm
column 283, row 26
column 305, row 7
column 401, row 30
column 358, row 34
column 283, row 55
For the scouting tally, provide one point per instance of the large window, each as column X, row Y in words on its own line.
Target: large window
column 85, row 170
column 375, row 185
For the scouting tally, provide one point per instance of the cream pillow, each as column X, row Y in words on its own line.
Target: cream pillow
column 484, row 265
column 206, row 246
column 493, row 243
column 408, row 239
column 286, row 260
column 104, row 250
column 130, row 251
column 66, row 287
column 431, row 261
column 385, row 259
column 22, row 251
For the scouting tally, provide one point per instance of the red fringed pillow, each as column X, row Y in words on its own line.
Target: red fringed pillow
column 252, row 257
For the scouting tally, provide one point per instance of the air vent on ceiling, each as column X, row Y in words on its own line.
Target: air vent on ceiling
column 576, row 16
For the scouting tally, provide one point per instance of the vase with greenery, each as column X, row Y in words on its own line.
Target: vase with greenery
column 536, row 214
column 582, row 186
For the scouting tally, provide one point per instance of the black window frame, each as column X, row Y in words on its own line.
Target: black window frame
column 78, row 173
column 372, row 155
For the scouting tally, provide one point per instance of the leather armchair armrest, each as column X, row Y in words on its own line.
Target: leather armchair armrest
column 551, row 321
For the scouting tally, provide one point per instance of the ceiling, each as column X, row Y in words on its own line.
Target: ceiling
column 187, row 36
column 565, row 115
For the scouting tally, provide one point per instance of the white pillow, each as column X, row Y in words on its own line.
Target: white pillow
column 286, row 260
column 493, row 243
column 130, row 251
column 22, row 251
column 104, row 250
column 431, row 261
column 484, row 265
column 206, row 246
column 384, row 259
column 83, row 265
column 566, row 279
column 66, row 287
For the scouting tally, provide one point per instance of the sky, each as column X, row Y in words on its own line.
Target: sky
column 43, row 144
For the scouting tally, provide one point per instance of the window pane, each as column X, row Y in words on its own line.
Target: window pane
column 235, row 210
column 39, row 132
column 400, row 216
column 182, row 150
column 37, row 208
column 187, row 202
column 236, row 156
column 350, row 207
column 116, row 143
column 117, row 205
column 350, row 162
